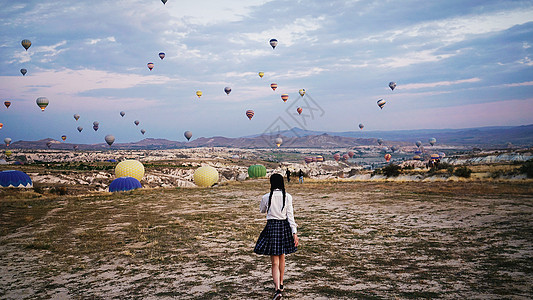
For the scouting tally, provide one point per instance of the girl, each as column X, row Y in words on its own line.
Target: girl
column 279, row 236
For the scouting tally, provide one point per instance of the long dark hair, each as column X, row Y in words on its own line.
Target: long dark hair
column 276, row 182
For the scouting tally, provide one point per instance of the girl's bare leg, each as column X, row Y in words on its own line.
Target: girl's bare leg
column 281, row 268
column 275, row 259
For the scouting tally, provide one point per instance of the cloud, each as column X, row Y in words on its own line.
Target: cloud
column 438, row 83
column 411, row 58
column 96, row 41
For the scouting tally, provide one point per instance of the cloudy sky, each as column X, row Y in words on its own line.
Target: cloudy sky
column 456, row 65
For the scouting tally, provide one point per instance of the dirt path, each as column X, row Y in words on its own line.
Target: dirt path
column 358, row 240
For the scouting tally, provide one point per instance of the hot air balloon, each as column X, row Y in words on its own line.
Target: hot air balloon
column 48, row 144
column 80, row 128
column 432, row 141
column 380, row 141
column 7, row 104
column 188, row 135
column 387, row 157
column 95, row 123
column 417, row 157
column 227, row 90
column 299, row 110
column 26, row 44
column 274, row 86
column 308, row 159
column 7, row 141
column 161, row 55
column 205, row 176
column 273, row 43
column 345, row 156
column 136, row 122
column 76, row 117
column 199, row 94
column 392, row 85
column 123, row 184
column 95, row 127
column 13, row 178
column 394, row 148
column 418, row 144
column 164, row 1
column 319, row 158
column 337, row 156
column 284, row 97
column 131, row 168
column 434, row 156
column 261, row 74
column 301, row 92
column 381, row 103
column 279, row 141
column 250, row 114
column 122, row 113
column 8, row 153
column 23, row 71
column 351, row 154
column 42, row 102
column 361, row 126
column 442, row 154
column 257, row 171
column 150, row 66
column 109, row 139
column 143, row 131
column 1, row 125
column 63, row 137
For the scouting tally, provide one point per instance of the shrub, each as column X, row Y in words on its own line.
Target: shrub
column 392, row 170
column 527, row 168
column 462, row 172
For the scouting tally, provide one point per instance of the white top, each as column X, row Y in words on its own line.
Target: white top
column 275, row 211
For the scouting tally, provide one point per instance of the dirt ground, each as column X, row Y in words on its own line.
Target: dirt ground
column 359, row 240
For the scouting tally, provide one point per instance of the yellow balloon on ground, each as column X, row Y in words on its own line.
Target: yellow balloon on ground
column 130, row 168
column 205, row 176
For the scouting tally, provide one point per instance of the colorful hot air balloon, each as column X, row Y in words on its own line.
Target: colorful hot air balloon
column 308, row 159
column 417, row 157
column 284, row 97
column 8, row 153
column 199, row 94
column 1, row 125
column 7, row 141
column 351, row 154
column 380, row 141
column 63, row 137
column 261, row 74
column 188, row 135
column 161, row 55
column 381, row 103
column 273, row 43
column 432, row 141
column 109, row 139
column 394, row 148
column 301, row 92
column 14, row 178
column 95, row 127
column 42, row 102
column 273, row 86
column 130, row 168
column 7, row 104
column 392, row 85
column 26, row 44
column 418, row 144
column 337, row 156
column 345, row 156
column 123, row 184
column 250, row 114
column 150, row 66
column 361, row 126
column 164, row 1
column 205, row 176
column 387, row 157
column 143, row 131
column 434, row 156
column 122, row 113
column 76, row 117
column 257, row 171
column 319, row 158
column 136, row 122
column 299, row 110
column 227, row 90
column 23, row 71
column 279, row 141
column 80, row 128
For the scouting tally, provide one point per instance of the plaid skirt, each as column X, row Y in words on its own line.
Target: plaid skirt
column 275, row 239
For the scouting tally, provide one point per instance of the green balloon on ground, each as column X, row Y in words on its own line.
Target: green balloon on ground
column 257, row 171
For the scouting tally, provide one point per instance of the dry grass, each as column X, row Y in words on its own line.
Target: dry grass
column 370, row 240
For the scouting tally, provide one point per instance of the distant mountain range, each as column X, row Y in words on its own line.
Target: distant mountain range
column 483, row 137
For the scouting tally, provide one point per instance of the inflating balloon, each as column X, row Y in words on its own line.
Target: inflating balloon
column 205, row 176
column 123, row 184
column 188, row 135
column 131, row 168
column 319, row 158
column 308, row 159
column 13, row 178
column 250, row 114
column 42, row 102
column 256, row 171
column 26, row 44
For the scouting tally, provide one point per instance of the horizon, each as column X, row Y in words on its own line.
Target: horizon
column 456, row 65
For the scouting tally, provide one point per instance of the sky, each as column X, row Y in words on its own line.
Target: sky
column 457, row 64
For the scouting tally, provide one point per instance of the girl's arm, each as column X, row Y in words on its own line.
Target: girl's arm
column 290, row 215
column 264, row 204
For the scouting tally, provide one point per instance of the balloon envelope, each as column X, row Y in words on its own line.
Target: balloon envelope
column 392, row 85
column 418, row 143
column 1, row 125
column 299, row 110
column 199, row 94
column 63, row 137
column 7, row 104
column 274, row 86
column 301, row 92
column 122, row 113
column 284, row 97
column 23, row 71
column 150, row 66
column 164, row 1
column 80, row 128
column 205, row 176
column 76, row 117
column 227, row 90
column 261, row 74
column 380, row 141
column 279, row 141
column 131, row 168
column 109, row 139
column 42, row 102
column 188, row 135
column 250, row 114
column 337, row 156
column 381, row 103
column 136, row 122
column 432, row 141
column 14, row 178
column 273, row 43
column 26, row 44
column 161, row 55
column 95, row 123
column 257, row 171
column 7, row 141
column 387, row 157
column 361, row 126
column 123, row 184
column 143, row 131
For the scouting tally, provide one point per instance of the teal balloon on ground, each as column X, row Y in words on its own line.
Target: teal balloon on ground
column 257, row 171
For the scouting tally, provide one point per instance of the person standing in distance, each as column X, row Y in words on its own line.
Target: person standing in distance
column 288, row 173
column 279, row 237
column 301, row 175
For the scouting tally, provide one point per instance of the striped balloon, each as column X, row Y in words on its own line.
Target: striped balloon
column 308, row 159
column 299, row 110
column 250, row 114
column 284, row 97
column 26, row 44
column 381, row 103
column 7, row 103
column 320, row 158
column 274, row 86
column 42, row 102
column 150, row 66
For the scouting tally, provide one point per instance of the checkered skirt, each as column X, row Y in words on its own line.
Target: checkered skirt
column 275, row 239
